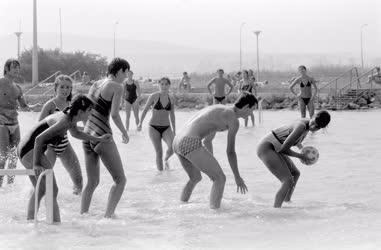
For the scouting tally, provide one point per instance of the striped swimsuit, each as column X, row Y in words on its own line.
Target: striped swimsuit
column 98, row 123
column 278, row 136
column 60, row 147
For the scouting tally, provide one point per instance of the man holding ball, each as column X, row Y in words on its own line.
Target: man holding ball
column 275, row 150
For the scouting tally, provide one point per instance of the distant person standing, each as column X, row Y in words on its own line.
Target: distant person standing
column 306, row 97
column 247, row 85
column 132, row 94
column 185, row 83
column 219, row 82
column 236, row 79
column 253, row 80
column 11, row 96
column 162, row 125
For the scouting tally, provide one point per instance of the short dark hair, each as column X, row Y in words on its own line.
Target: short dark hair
column 116, row 64
column 244, row 99
column 60, row 79
column 9, row 63
column 165, row 79
column 220, row 70
column 302, row 67
column 184, row 73
column 322, row 118
column 80, row 102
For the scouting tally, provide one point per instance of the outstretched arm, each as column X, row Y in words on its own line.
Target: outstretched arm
column 232, row 156
column 290, row 141
column 75, row 132
column 145, row 110
column 42, row 140
column 22, row 102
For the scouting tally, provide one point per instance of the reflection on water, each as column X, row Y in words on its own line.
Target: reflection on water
column 336, row 204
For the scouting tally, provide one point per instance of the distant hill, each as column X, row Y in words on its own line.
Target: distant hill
column 154, row 59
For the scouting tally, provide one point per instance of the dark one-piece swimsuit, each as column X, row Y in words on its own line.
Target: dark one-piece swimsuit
column 131, row 95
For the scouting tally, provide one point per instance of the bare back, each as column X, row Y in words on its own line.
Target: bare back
column 209, row 120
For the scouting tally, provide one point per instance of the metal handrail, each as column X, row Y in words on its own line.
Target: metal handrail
column 337, row 78
column 75, row 72
column 334, row 81
column 71, row 75
column 45, row 80
column 358, row 82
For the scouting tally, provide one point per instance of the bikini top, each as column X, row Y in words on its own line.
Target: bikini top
column 56, row 109
column 159, row 106
column 307, row 85
column 247, row 87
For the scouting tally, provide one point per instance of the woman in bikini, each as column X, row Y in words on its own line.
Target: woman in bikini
column 51, row 131
column 131, row 93
column 63, row 87
column 275, row 150
column 305, row 96
column 162, row 125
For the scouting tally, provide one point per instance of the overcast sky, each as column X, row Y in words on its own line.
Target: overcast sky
column 305, row 26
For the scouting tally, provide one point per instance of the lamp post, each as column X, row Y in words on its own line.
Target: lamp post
column 35, row 47
column 257, row 32
column 18, row 34
column 116, row 23
column 60, row 30
column 240, row 46
column 361, row 40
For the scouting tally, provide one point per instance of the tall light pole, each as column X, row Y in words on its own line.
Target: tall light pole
column 362, row 53
column 18, row 34
column 240, row 46
column 257, row 32
column 116, row 23
column 60, row 30
column 35, row 47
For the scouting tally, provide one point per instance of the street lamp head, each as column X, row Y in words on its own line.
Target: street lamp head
column 242, row 24
column 364, row 25
column 257, row 32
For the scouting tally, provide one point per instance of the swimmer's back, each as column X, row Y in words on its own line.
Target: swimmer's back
column 210, row 119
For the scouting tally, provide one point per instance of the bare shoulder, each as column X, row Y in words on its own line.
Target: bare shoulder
column 19, row 89
column 3, row 80
column 49, row 104
column 297, row 79
column 312, row 79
